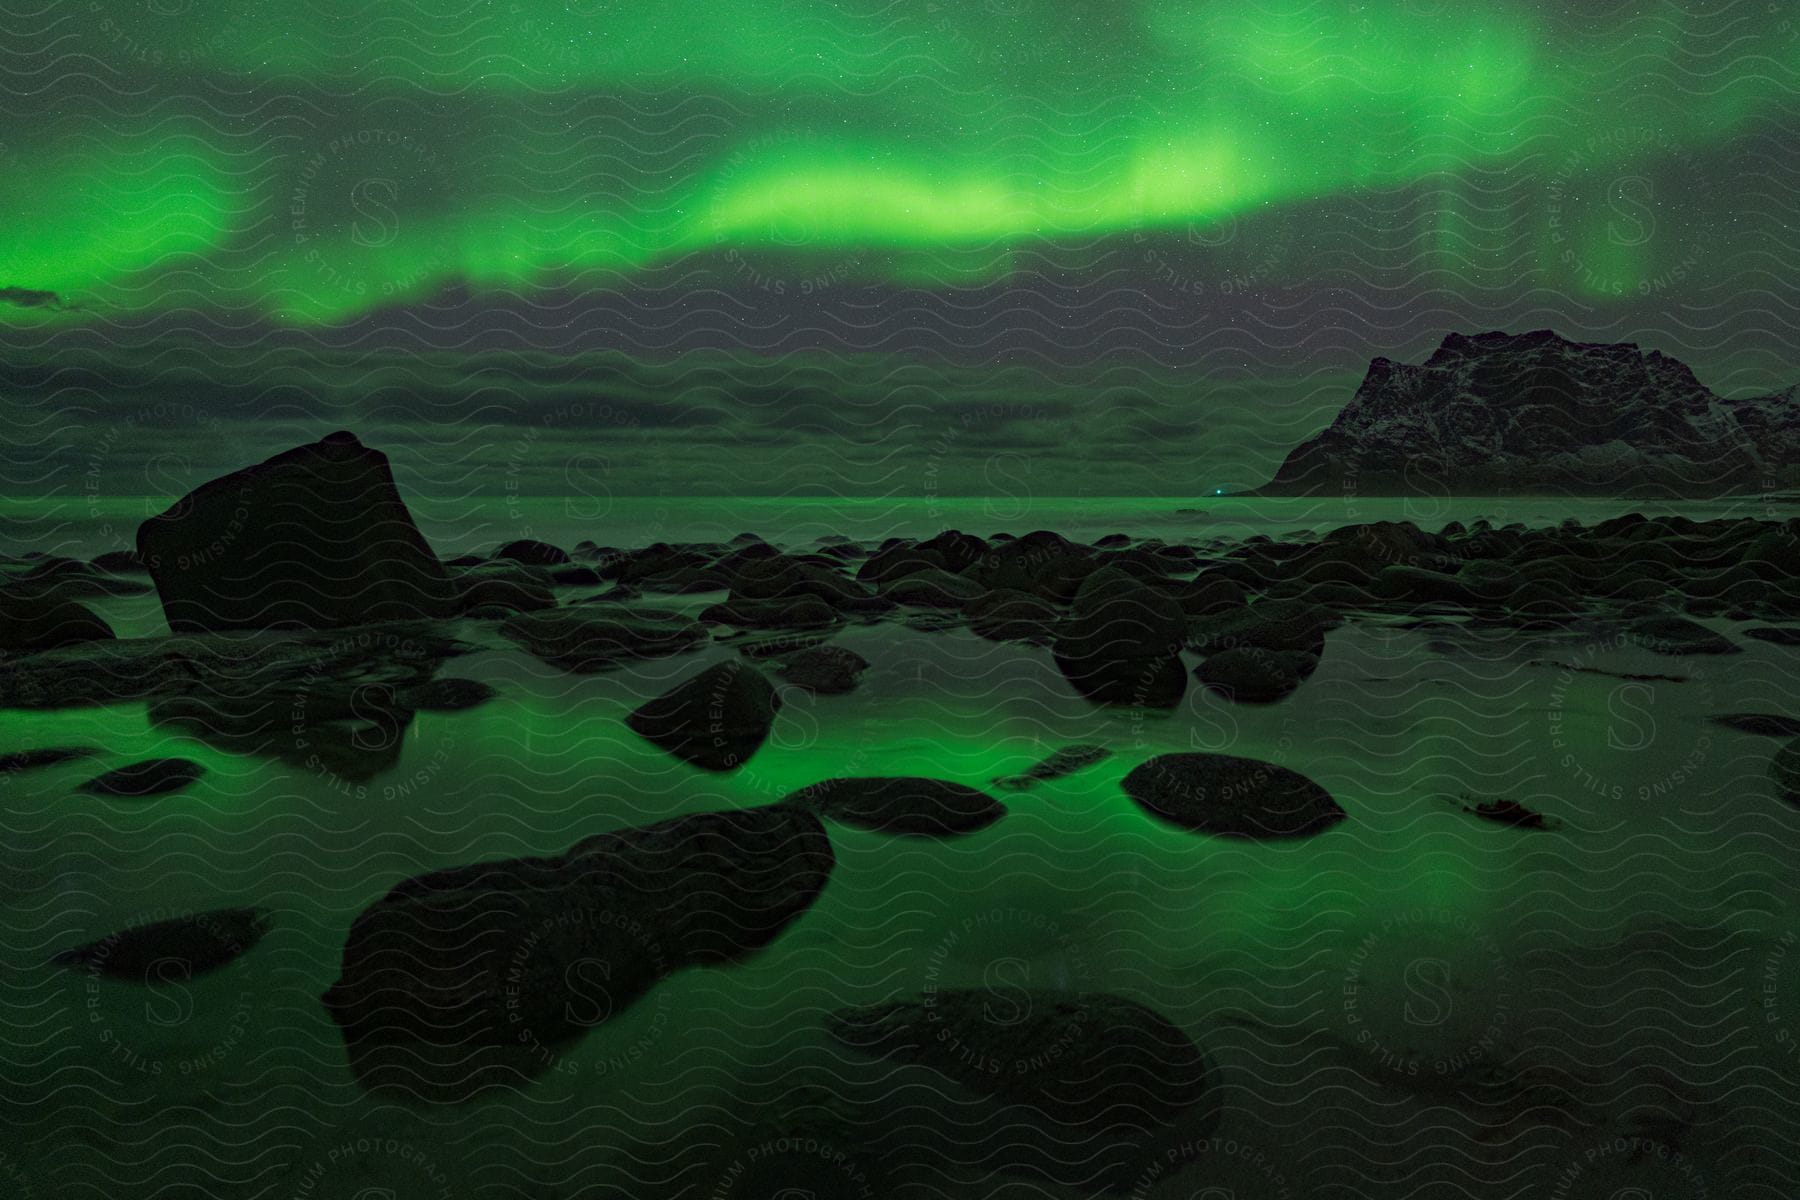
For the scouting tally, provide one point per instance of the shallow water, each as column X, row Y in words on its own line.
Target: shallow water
column 1635, row 973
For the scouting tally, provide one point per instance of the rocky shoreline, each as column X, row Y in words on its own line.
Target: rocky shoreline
column 432, row 996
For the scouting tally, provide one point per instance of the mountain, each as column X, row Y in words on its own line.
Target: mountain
column 1498, row 413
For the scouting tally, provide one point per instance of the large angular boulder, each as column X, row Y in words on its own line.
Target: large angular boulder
column 482, row 976
column 715, row 720
column 315, row 537
column 1121, row 642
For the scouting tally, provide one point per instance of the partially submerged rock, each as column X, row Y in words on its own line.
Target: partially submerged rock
column 47, row 756
column 1761, row 724
column 1510, row 812
column 1063, row 761
column 1228, row 796
column 1077, row 1087
column 1253, row 675
column 906, row 805
column 715, row 720
column 151, row 777
column 481, row 976
column 1784, row 769
column 172, row 950
column 1121, row 642
column 1679, row 636
column 826, row 670
column 601, row 637
column 46, row 621
column 315, row 537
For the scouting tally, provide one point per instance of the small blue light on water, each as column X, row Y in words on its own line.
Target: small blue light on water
column 1218, row 491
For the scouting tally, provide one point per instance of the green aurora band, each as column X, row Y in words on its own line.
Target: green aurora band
column 312, row 163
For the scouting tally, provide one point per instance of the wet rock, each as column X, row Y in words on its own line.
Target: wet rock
column 786, row 577
column 599, row 637
column 827, row 670
column 172, row 950
column 45, row 621
column 932, row 588
column 797, row 612
column 1679, row 636
column 315, row 537
column 1784, row 769
column 1229, row 796
column 1121, row 641
column 715, row 720
column 576, row 577
column 152, row 777
column 905, row 805
column 496, row 597
column 1510, row 812
column 1009, row 615
column 1252, row 675
column 1761, row 724
column 1065, row 760
column 48, row 756
column 533, row 553
column 449, row 694
column 482, row 976
column 1268, row 625
column 1774, row 635
column 1076, row 1087
column 121, row 562
column 897, row 560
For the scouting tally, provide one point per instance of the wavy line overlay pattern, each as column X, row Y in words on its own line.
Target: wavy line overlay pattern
column 442, row 809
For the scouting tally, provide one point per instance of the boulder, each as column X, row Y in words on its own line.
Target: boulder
column 1121, row 642
column 46, row 621
column 152, row 777
column 1252, row 675
column 1065, row 760
column 1009, row 615
column 1228, row 796
column 173, row 950
column 1080, row 1088
column 1784, row 769
column 827, row 670
column 482, row 976
column 1679, row 636
column 315, row 537
column 932, row 588
column 1760, row 724
column 48, row 756
column 905, row 805
column 715, row 720
column 600, row 637
column 795, row 612
column 533, row 553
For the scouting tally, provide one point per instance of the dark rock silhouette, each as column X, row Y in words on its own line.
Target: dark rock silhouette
column 1679, row 636
column 48, row 756
column 315, row 537
column 533, row 553
column 1761, row 724
column 826, row 670
column 1009, row 615
column 1121, row 642
column 1498, row 413
column 479, row 976
column 171, row 950
column 1510, row 812
column 715, row 720
column 905, row 805
column 1253, row 675
column 152, row 777
column 1060, row 762
column 448, row 694
column 600, row 637
column 1784, row 769
column 32, row 621
column 1079, row 1087
column 1229, row 796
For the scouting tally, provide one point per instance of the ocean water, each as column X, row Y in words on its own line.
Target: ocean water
column 477, row 522
column 1413, row 1003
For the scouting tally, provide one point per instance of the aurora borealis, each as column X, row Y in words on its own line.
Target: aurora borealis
column 1175, row 189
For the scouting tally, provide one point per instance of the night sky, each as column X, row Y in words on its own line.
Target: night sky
column 778, row 246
